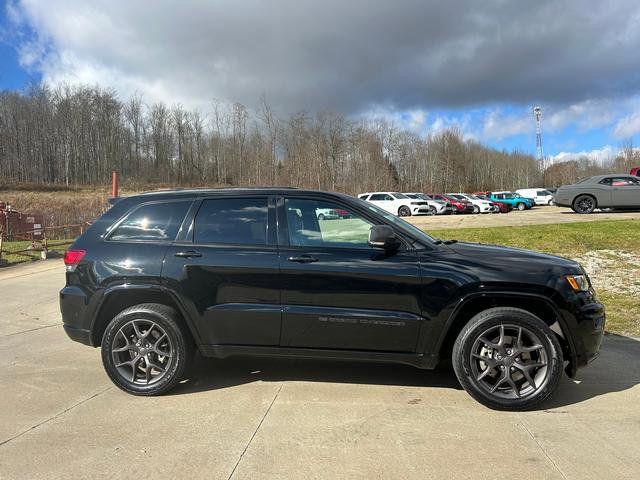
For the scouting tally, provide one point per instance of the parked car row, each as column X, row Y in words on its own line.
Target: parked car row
column 415, row 203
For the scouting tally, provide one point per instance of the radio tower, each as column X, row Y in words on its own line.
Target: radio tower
column 537, row 113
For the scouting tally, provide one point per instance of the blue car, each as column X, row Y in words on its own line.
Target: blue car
column 513, row 199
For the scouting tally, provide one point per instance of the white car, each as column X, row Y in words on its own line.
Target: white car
column 540, row 195
column 479, row 205
column 327, row 214
column 438, row 207
column 397, row 203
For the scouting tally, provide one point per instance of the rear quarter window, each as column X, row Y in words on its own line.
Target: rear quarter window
column 152, row 222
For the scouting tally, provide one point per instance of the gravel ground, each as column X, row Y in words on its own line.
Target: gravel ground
column 613, row 271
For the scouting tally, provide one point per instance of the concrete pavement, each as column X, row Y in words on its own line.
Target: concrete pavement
column 60, row 417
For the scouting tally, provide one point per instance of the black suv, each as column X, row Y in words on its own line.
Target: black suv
column 265, row 272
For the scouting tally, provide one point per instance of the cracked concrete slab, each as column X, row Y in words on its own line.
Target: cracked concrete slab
column 60, row 417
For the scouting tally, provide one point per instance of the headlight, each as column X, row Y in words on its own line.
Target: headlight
column 579, row 283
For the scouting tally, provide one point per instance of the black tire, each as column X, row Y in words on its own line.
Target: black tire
column 477, row 382
column 476, row 209
column 584, row 204
column 433, row 210
column 521, row 206
column 180, row 349
column 404, row 211
column 321, row 217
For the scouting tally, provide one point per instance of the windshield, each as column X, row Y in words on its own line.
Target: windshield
column 459, row 197
column 412, row 195
column 415, row 231
column 399, row 195
column 475, row 197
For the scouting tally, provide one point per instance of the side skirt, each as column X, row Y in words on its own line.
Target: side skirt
column 223, row 351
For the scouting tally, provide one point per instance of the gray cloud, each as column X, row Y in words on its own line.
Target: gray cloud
column 348, row 56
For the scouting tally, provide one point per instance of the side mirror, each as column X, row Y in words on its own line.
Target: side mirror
column 383, row 236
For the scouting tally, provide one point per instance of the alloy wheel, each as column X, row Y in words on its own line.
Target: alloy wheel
column 509, row 361
column 142, row 352
column 585, row 205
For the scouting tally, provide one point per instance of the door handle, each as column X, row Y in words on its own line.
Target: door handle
column 187, row 254
column 303, row 259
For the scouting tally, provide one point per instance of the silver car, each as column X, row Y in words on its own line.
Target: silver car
column 437, row 207
column 602, row 191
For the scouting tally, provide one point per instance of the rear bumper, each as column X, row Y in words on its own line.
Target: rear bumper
column 78, row 334
column 73, row 307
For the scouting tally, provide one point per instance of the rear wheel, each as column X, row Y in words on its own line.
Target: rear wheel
column 145, row 351
column 404, row 211
column 521, row 206
column 584, row 204
column 508, row 359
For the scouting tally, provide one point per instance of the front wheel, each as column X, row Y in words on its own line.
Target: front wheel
column 521, row 206
column 507, row 359
column 476, row 209
column 321, row 217
column 433, row 210
column 145, row 351
column 584, row 204
column 404, row 211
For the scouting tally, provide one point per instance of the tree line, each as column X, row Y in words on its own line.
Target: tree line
column 75, row 135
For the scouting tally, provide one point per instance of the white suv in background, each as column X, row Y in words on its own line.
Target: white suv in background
column 540, row 195
column 479, row 205
column 397, row 203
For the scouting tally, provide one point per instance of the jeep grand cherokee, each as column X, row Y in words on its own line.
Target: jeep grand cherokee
column 258, row 272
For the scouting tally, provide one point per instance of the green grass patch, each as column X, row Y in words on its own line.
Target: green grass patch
column 623, row 315
column 29, row 256
column 560, row 239
column 571, row 239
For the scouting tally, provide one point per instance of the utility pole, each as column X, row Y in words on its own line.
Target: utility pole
column 537, row 113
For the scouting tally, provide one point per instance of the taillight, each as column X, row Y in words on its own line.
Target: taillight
column 73, row 257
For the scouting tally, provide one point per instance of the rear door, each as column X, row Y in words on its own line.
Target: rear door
column 225, row 268
column 339, row 293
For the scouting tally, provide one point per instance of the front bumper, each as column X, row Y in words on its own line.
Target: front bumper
column 588, row 333
column 421, row 210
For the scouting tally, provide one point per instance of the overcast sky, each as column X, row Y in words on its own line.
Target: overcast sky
column 480, row 65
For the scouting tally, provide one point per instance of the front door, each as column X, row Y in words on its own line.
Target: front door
column 339, row 293
column 226, row 271
column 625, row 191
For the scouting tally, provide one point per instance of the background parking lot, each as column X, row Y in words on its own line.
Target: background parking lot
column 257, row 418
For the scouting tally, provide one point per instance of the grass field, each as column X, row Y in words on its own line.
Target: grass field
column 608, row 250
column 11, row 259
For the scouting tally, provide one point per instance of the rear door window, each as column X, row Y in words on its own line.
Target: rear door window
column 236, row 221
column 155, row 221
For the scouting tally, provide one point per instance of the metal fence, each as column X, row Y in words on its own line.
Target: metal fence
column 40, row 240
